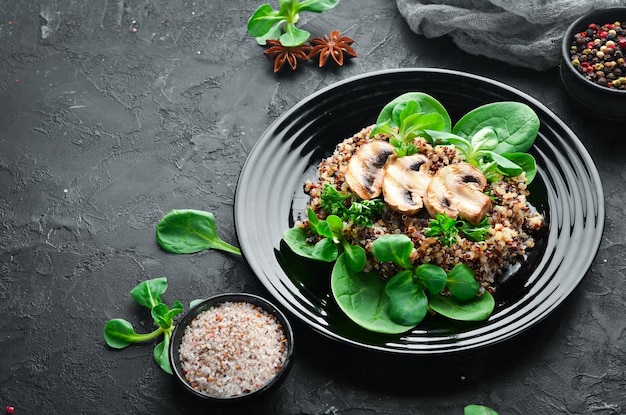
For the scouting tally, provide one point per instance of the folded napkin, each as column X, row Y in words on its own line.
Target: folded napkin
column 523, row 33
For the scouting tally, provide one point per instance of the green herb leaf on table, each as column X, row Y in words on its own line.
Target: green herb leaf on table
column 478, row 410
column 187, row 231
column 163, row 316
column 149, row 293
column 119, row 333
column 269, row 23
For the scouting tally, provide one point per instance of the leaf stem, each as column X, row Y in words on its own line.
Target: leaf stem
column 144, row 337
column 225, row 246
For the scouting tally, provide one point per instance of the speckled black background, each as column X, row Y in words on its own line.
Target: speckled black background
column 106, row 125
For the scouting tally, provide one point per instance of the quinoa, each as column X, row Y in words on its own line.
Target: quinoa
column 511, row 217
column 232, row 349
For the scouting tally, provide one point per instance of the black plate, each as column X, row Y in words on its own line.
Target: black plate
column 269, row 197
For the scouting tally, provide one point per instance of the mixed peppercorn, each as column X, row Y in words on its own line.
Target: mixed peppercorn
column 598, row 54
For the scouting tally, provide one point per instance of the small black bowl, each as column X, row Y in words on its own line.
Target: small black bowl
column 589, row 97
column 246, row 398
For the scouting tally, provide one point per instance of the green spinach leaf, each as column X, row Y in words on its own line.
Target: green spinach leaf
column 478, row 410
column 461, row 282
column 394, row 248
column 408, row 304
column 515, row 124
column 150, row 292
column 408, row 116
column 426, row 105
column 361, row 296
column 526, row 162
column 324, row 250
column 355, row 256
column 187, row 231
column 119, row 333
column 433, row 277
column 477, row 309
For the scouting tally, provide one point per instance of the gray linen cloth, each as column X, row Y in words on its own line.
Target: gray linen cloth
column 524, row 33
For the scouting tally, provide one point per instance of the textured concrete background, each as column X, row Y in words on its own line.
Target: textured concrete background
column 113, row 112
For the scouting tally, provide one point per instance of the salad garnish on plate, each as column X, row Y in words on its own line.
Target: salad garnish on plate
column 418, row 215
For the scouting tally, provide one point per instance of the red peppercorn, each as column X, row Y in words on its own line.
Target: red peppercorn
column 592, row 26
column 622, row 43
column 10, row 410
column 603, row 34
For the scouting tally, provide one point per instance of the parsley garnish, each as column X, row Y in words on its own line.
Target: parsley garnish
column 446, row 228
column 350, row 208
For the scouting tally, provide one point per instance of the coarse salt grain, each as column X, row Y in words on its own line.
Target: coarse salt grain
column 232, row 349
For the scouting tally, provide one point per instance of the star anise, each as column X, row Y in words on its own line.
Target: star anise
column 283, row 54
column 334, row 46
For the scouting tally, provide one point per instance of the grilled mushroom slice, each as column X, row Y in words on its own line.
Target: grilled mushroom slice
column 457, row 191
column 405, row 183
column 365, row 171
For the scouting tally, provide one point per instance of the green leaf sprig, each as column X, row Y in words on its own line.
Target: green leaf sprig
column 360, row 212
column 446, row 229
column 186, row 231
column 119, row 333
column 409, row 116
column 478, row 410
column 331, row 244
column 408, row 289
column 495, row 137
column 269, row 23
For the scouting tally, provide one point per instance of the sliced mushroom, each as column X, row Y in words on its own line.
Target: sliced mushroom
column 457, row 191
column 365, row 171
column 405, row 183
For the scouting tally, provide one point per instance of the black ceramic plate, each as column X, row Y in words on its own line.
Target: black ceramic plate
column 567, row 190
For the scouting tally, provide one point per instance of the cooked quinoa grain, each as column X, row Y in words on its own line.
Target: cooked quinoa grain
column 232, row 349
column 511, row 217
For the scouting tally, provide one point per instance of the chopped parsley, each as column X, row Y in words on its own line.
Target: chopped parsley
column 349, row 207
column 446, row 228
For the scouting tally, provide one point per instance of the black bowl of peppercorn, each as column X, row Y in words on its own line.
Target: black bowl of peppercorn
column 593, row 67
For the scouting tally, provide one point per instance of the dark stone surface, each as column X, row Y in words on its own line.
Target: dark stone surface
column 104, row 129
